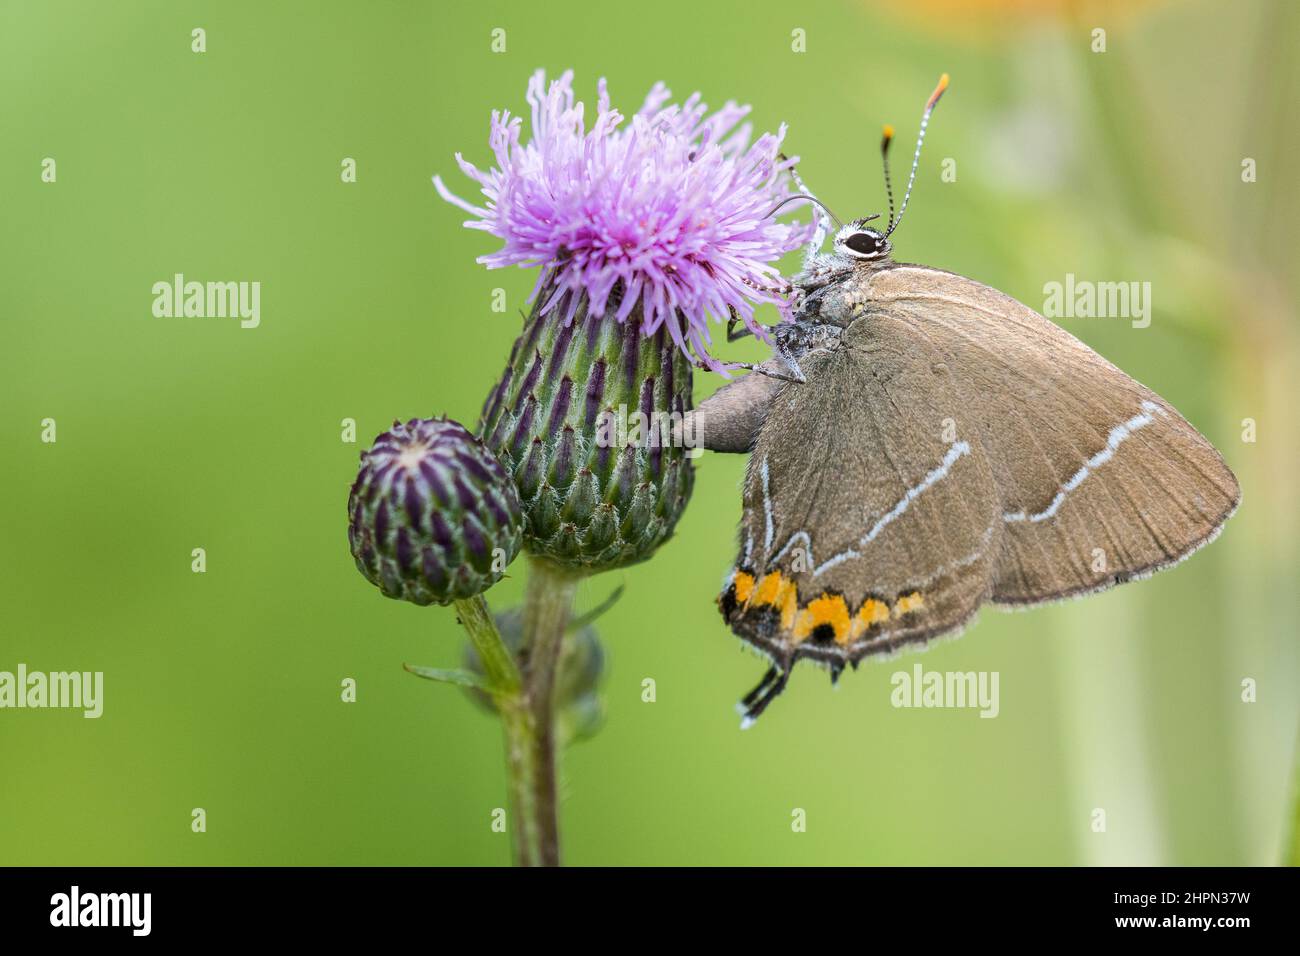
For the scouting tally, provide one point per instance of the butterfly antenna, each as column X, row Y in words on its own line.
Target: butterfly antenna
column 818, row 237
column 885, row 140
column 916, row 157
column 807, row 198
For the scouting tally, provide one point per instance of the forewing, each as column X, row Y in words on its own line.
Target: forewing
column 1099, row 479
column 869, row 519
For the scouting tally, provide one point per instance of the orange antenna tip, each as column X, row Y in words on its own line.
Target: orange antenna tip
column 916, row 157
column 889, row 131
column 938, row 91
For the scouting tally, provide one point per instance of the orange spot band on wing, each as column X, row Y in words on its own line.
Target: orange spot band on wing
column 788, row 602
column 779, row 592
column 908, row 603
column 744, row 584
column 871, row 612
column 767, row 589
column 828, row 609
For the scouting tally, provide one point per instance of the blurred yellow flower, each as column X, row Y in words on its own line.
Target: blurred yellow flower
column 975, row 17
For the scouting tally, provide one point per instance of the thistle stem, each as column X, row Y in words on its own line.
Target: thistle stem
column 516, row 718
column 547, row 607
column 527, row 704
column 497, row 663
column 521, row 773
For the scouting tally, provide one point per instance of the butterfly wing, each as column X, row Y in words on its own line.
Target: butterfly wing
column 1100, row 479
column 867, row 522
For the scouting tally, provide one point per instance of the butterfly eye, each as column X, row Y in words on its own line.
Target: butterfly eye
column 863, row 243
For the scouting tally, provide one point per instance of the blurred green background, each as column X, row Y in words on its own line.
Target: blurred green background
column 222, row 689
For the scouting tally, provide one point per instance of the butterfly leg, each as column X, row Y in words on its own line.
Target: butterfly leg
column 795, row 374
column 784, row 288
column 782, row 366
column 786, row 356
column 732, row 334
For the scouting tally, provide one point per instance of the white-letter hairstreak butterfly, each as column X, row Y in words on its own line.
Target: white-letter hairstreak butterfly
column 921, row 444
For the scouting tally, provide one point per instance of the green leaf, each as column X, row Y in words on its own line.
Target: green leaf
column 582, row 620
column 451, row 675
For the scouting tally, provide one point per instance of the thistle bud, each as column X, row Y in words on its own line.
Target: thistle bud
column 583, row 419
column 433, row 516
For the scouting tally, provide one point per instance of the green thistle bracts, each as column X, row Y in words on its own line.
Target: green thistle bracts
column 433, row 517
column 582, row 419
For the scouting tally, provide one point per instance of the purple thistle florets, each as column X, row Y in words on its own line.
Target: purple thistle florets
column 671, row 212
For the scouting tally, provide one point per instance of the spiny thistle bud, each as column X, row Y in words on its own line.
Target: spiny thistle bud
column 644, row 233
column 433, row 517
column 582, row 419
column 579, row 707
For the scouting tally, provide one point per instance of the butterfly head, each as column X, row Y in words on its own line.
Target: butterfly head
column 857, row 240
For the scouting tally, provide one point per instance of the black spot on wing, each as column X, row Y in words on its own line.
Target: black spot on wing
column 822, row 634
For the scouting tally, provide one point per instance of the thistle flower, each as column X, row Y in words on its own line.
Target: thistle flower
column 672, row 210
column 644, row 232
column 433, row 515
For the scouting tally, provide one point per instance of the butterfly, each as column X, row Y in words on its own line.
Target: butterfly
column 921, row 445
